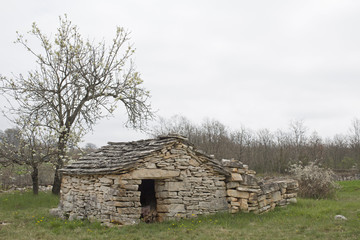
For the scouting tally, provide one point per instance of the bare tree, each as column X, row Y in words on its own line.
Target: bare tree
column 265, row 151
column 298, row 139
column 90, row 147
column 76, row 84
column 240, row 139
column 315, row 148
column 354, row 141
column 337, row 150
column 283, row 147
column 177, row 124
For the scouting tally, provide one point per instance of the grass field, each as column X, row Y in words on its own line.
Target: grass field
column 24, row 216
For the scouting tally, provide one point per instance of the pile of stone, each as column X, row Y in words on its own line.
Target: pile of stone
column 248, row 194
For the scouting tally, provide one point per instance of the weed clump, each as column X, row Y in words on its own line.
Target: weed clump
column 314, row 181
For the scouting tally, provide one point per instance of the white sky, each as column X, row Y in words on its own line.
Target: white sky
column 258, row 64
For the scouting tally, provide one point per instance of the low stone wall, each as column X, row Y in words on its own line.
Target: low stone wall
column 346, row 174
column 247, row 194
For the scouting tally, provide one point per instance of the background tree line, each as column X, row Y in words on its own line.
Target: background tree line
column 266, row 151
column 27, row 157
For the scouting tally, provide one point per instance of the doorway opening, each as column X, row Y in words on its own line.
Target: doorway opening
column 148, row 201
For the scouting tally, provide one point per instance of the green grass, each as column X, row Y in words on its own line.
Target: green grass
column 28, row 218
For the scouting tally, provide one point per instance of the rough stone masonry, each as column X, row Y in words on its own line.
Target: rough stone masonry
column 162, row 179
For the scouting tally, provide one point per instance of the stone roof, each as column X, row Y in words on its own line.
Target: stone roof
column 122, row 157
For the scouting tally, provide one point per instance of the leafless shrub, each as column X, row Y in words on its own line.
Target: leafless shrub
column 314, row 181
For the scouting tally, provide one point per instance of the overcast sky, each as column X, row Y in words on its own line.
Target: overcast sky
column 258, row 64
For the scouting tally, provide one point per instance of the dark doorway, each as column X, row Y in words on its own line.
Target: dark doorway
column 148, row 200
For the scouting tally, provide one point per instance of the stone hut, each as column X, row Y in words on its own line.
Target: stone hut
column 161, row 179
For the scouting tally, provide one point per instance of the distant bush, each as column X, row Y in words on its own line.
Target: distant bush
column 314, row 181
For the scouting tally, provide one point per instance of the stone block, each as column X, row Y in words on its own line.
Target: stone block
column 230, row 185
column 253, row 197
column 72, row 216
column 174, row 186
column 162, row 217
column 123, row 204
column 282, row 184
column 220, row 193
column 171, row 208
column 105, row 180
column 253, row 209
column 291, row 195
column 129, row 210
column 134, row 181
column 292, row 184
column 262, row 204
column 150, row 165
column 166, row 194
column 220, row 183
column 194, row 162
column 104, row 189
column 237, row 194
column 178, row 151
column 270, row 187
column 236, row 177
column 64, row 190
column 169, row 201
column 244, row 205
column 56, row 212
column 127, row 199
column 234, row 209
column 185, row 193
column 248, row 189
column 204, row 205
column 192, row 207
column 249, row 180
column 276, row 196
column 120, row 181
column 231, row 199
column 68, row 207
column 282, row 202
column 162, row 208
column 154, row 174
column 131, row 187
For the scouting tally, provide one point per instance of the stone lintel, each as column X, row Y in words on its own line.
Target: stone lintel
column 152, row 174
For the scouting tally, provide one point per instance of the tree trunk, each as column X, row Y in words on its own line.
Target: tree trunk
column 35, row 179
column 60, row 163
column 57, row 181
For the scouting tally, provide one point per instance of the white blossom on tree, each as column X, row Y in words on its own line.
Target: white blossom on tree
column 77, row 82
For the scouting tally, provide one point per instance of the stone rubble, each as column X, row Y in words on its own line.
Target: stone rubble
column 246, row 193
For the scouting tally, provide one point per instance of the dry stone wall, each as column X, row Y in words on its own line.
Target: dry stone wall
column 346, row 174
column 100, row 197
column 248, row 194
